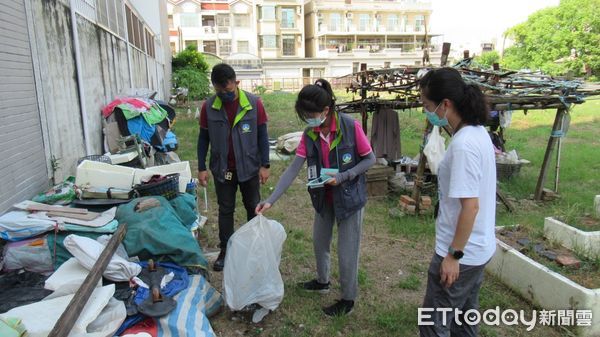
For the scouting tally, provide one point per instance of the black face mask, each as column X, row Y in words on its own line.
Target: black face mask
column 228, row 96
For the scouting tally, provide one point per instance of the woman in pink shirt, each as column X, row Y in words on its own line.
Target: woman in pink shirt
column 337, row 154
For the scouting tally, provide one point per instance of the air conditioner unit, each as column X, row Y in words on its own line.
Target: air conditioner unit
column 349, row 15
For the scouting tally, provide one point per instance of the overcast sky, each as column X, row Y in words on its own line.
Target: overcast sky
column 467, row 23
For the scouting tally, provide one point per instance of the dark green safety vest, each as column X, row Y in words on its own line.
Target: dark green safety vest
column 349, row 196
column 244, row 137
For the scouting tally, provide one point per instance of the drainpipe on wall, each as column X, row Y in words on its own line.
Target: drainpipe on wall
column 84, row 116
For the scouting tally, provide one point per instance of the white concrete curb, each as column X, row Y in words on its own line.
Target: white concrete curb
column 543, row 287
column 586, row 243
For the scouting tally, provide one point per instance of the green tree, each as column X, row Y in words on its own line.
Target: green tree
column 190, row 70
column 558, row 40
column 194, row 80
column 189, row 57
column 487, row 59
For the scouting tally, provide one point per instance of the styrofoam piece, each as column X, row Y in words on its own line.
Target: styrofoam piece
column 99, row 174
column 586, row 243
column 543, row 287
column 183, row 168
column 120, row 158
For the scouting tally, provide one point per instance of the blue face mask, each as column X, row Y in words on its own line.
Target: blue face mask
column 228, row 96
column 315, row 122
column 434, row 119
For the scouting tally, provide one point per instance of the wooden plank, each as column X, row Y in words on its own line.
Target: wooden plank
column 87, row 217
column 551, row 141
column 421, row 168
column 445, row 53
column 49, row 208
column 504, row 200
column 68, row 318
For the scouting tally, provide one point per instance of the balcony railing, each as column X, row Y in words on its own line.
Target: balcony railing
column 215, row 30
column 381, row 29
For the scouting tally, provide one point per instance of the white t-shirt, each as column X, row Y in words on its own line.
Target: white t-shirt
column 468, row 170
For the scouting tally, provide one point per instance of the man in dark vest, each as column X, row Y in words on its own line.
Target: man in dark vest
column 234, row 123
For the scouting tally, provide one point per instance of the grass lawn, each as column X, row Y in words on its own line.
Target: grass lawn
column 395, row 253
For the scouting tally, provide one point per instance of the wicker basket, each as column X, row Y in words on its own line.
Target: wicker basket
column 95, row 157
column 168, row 188
column 507, row 171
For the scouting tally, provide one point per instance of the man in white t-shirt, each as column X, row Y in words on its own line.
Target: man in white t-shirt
column 465, row 237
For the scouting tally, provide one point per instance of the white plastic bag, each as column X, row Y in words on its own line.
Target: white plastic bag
column 251, row 273
column 87, row 251
column 17, row 225
column 100, row 317
column 435, row 149
column 31, row 254
column 67, row 279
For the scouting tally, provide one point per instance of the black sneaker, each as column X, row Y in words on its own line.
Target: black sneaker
column 220, row 261
column 314, row 285
column 340, row 308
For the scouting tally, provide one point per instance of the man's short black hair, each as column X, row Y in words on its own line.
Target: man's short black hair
column 221, row 74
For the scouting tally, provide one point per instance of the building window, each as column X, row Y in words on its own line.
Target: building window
column 355, row 67
column 419, row 23
column 288, row 19
column 135, row 29
column 170, row 20
column 191, row 43
column 208, row 20
column 387, row 64
column 189, row 20
column 173, row 48
column 289, row 45
column 210, row 46
column 243, row 47
column 241, row 20
column 268, row 41
column 267, row 13
column 149, row 43
column 335, row 22
column 128, row 17
column 223, row 20
column 224, row 47
column 223, row 23
column 392, row 23
column 363, row 22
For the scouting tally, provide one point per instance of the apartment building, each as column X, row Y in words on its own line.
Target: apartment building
column 381, row 33
column 265, row 29
column 304, row 38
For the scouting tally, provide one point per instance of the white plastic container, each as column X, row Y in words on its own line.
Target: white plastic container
column 121, row 158
column 97, row 174
column 183, row 168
